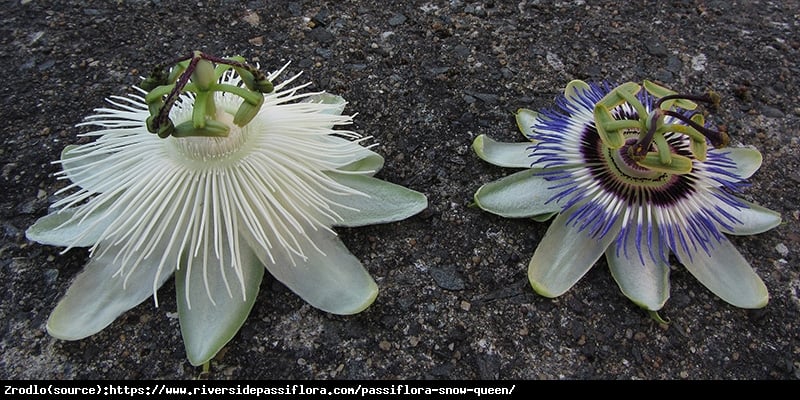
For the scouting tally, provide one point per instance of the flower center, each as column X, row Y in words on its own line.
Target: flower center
column 617, row 172
column 205, row 152
column 627, row 166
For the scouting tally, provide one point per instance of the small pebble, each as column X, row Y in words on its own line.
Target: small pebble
column 397, row 19
column 782, row 249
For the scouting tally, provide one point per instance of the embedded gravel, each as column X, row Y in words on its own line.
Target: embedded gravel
column 425, row 77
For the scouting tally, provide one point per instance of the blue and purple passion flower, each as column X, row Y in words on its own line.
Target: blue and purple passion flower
column 631, row 172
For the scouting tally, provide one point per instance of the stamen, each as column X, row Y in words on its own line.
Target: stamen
column 710, row 98
column 695, row 131
column 717, row 138
column 651, row 150
column 200, row 77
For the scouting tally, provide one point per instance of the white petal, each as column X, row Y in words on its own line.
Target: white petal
column 336, row 103
column 57, row 228
column 98, row 166
column 206, row 327
column 726, row 273
column 99, row 294
column 543, row 217
column 363, row 160
column 525, row 120
column 747, row 160
column 755, row 219
column 575, row 90
column 523, row 194
column 641, row 279
column 334, row 282
column 510, row 155
column 564, row 255
column 78, row 167
column 71, row 163
column 358, row 158
column 387, row 202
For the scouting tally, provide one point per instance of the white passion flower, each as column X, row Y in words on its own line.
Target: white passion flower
column 629, row 175
column 241, row 177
